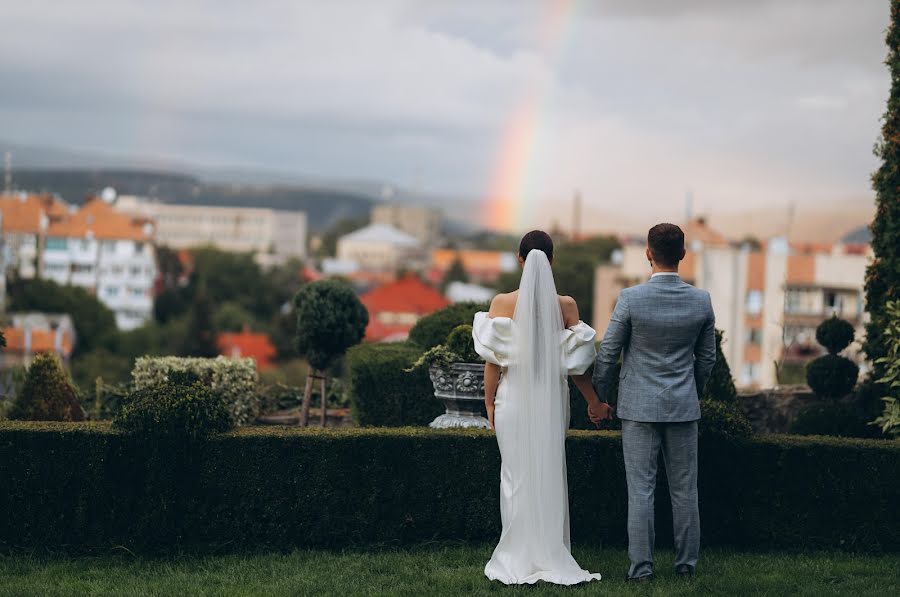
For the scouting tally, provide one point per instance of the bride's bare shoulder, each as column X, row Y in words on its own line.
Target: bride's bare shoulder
column 569, row 309
column 504, row 305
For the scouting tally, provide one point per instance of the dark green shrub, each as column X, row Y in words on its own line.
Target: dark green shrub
column 383, row 394
column 47, row 394
column 433, row 329
column 720, row 386
column 330, row 319
column 835, row 334
column 832, row 376
column 723, row 419
column 461, row 343
column 182, row 408
column 835, row 418
column 83, row 486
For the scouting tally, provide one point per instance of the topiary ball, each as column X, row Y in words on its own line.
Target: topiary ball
column 832, row 376
column 433, row 329
column 461, row 343
column 835, row 334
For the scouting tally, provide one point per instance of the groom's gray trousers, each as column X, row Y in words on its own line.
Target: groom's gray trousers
column 641, row 444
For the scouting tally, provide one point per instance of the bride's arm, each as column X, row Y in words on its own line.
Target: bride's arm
column 597, row 410
column 491, row 381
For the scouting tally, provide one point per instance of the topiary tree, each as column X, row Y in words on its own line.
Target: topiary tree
column 720, row 386
column 47, row 394
column 832, row 376
column 883, row 274
column 330, row 319
column 433, row 329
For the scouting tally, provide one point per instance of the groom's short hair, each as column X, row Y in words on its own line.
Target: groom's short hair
column 666, row 242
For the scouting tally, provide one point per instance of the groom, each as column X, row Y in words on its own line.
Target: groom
column 665, row 332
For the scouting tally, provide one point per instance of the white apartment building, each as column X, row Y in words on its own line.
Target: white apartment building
column 421, row 222
column 381, row 248
column 767, row 301
column 273, row 236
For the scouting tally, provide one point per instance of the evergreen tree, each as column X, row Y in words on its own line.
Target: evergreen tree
column 200, row 335
column 720, row 386
column 455, row 273
column 883, row 275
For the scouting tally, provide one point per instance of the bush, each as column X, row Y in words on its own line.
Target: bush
column 433, row 329
column 383, row 394
column 835, row 418
column 720, row 386
column 722, row 419
column 83, row 486
column 183, row 408
column 461, row 343
column 47, row 394
column 887, row 385
column 831, row 376
column 233, row 380
column 835, row 334
column 330, row 319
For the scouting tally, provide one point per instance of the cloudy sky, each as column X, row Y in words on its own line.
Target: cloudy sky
column 632, row 102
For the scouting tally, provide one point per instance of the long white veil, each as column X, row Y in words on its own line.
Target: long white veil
column 538, row 384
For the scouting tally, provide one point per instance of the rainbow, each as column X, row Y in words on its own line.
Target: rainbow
column 511, row 198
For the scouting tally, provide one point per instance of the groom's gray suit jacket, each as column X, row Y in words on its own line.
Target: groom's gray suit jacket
column 666, row 329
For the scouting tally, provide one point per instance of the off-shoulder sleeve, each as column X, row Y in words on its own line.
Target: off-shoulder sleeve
column 493, row 338
column 578, row 348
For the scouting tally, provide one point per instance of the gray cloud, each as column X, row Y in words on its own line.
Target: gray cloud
column 745, row 102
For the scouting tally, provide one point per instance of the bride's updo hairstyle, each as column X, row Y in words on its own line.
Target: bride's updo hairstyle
column 536, row 239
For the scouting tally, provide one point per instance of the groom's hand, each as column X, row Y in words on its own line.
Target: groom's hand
column 599, row 412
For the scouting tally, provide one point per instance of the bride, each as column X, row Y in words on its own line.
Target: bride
column 532, row 339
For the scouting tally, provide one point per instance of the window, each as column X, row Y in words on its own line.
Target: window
column 834, row 302
column 111, row 291
column 138, row 246
column 754, row 302
column 754, row 336
column 136, row 270
column 81, row 268
column 109, row 246
column 56, row 244
column 85, row 245
column 749, row 374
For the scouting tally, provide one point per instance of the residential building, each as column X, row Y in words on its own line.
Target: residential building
column 395, row 307
column 424, row 223
column 109, row 253
column 273, row 236
column 768, row 300
column 381, row 248
column 248, row 344
column 459, row 292
column 29, row 334
column 481, row 267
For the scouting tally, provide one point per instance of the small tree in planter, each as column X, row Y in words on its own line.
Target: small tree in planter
column 330, row 319
column 48, row 393
column 832, row 376
column 457, row 374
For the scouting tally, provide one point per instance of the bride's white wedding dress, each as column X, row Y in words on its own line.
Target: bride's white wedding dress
column 531, row 417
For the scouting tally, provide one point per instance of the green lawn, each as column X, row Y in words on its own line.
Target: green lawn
column 437, row 570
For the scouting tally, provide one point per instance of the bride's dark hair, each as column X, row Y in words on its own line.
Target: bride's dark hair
column 536, row 239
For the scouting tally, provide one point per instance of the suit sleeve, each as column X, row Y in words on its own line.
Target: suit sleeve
column 614, row 340
column 705, row 349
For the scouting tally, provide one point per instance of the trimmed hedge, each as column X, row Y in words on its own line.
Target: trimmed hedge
column 80, row 486
column 382, row 394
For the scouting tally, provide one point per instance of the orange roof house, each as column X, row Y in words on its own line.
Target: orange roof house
column 24, row 213
column 248, row 344
column 98, row 219
column 395, row 307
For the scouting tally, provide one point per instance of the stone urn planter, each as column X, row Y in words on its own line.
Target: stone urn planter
column 461, row 388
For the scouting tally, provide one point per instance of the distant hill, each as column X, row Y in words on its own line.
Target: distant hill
column 323, row 206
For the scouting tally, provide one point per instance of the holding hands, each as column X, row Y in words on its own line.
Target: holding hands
column 599, row 412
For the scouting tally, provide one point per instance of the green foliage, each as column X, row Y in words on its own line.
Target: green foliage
column 233, row 380
column 889, row 382
column 183, row 408
column 47, row 394
column 83, row 486
column 835, row 334
column 455, row 273
column 200, row 336
column 330, row 319
column 384, row 392
column 883, row 273
column 834, row 418
column 108, row 399
column 720, row 387
column 433, row 329
column 831, row 376
column 232, row 317
column 100, row 362
column 723, row 419
column 95, row 324
column 460, row 341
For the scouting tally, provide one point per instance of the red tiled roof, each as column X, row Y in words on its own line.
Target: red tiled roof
column 379, row 332
column 406, row 295
column 247, row 344
column 100, row 219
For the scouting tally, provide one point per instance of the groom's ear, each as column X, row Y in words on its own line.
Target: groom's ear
column 683, row 253
column 649, row 255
